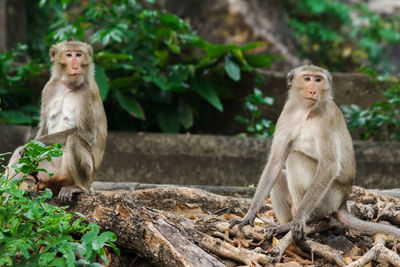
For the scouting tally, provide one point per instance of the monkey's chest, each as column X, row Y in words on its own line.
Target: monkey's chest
column 305, row 142
column 62, row 113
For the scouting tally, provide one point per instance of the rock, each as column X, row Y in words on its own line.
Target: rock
column 240, row 22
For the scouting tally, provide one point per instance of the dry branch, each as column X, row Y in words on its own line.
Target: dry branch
column 177, row 226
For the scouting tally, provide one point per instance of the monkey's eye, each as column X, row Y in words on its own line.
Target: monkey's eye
column 69, row 54
column 307, row 78
column 78, row 54
column 318, row 79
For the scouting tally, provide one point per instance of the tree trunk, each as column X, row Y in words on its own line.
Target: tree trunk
column 179, row 226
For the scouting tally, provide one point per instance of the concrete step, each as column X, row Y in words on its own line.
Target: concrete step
column 209, row 160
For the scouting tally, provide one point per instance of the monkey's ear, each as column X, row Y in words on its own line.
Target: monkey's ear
column 52, row 52
column 289, row 78
column 89, row 50
column 329, row 76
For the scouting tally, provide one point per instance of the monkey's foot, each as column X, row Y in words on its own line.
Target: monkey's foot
column 276, row 230
column 242, row 222
column 298, row 231
column 66, row 193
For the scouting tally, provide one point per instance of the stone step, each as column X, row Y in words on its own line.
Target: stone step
column 209, row 160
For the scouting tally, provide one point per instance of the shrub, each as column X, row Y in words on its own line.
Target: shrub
column 18, row 98
column 34, row 233
column 343, row 36
column 151, row 65
column 381, row 121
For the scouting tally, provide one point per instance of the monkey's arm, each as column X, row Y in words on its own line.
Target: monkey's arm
column 321, row 184
column 276, row 162
column 59, row 137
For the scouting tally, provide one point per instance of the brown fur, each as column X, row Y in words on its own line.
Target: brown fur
column 311, row 166
column 85, row 131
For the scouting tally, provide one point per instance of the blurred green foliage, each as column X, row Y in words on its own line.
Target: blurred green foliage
column 342, row 36
column 153, row 71
column 255, row 125
column 35, row 233
column 381, row 121
column 14, row 87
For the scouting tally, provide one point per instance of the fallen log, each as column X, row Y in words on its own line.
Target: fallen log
column 177, row 226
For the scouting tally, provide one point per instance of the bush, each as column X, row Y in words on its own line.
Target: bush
column 151, row 65
column 256, row 126
column 34, row 233
column 18, row 98
column 380, row 122
column 342, row 36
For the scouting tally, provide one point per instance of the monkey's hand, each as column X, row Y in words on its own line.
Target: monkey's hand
column 247, row 220
column 66, row 193
column 277, row 229
column 298, row 227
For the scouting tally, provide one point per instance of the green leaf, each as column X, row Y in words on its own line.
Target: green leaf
column 268, row 100
column 116, row 35
column 102, row 81
column 204, row 88
column 218, row 50
column 100, row 240
column 58, row 262
column 45, row 258
column 129, row 103
column 185, row 113
column 251, row 46
column 232, row 68
column 113, row 56
column 259, row 61
column 68, row 254
column 242, row 119
column 168, row 120
column 174, row 48
column 42, row 3
column 125, row 82
column 161, row 81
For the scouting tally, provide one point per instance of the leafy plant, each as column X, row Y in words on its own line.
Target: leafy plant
column 14, row 87
column 256, row 126
column 381, row 121
column 342, row 36
column 152, row 66
column 34, row 233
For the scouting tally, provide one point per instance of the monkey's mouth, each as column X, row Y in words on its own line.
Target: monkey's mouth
column 311, row 99
column 75, row 74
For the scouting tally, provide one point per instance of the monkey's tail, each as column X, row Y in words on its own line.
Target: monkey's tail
column 364, row 227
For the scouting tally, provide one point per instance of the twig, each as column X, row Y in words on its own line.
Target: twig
column 325, row 251
column 378, row 252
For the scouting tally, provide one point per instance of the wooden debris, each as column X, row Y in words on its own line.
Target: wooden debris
column 177, row 226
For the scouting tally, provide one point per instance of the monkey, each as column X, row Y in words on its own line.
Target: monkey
column 311, row 165
column 72, row 114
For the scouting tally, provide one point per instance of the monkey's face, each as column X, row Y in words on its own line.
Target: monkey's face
column 312, row 87
column 75, row 64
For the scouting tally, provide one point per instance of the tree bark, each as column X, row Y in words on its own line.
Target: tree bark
column 177, row 226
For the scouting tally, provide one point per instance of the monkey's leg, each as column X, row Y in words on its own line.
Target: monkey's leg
column 78, row 166
column 282, row 204
column 281, row 200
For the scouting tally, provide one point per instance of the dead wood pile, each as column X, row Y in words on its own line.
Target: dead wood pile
column 179, row 226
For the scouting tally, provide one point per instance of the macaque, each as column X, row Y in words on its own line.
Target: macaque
column 311, row 166
column 72, row 114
